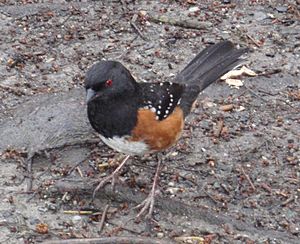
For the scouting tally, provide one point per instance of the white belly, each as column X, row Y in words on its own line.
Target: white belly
column 120, row 144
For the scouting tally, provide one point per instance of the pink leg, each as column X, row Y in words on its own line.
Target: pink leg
column 111, row 177
column 148, row 203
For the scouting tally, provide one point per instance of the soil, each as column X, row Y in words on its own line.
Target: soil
column 232, row 178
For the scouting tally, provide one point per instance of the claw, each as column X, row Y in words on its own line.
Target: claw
column 111, row 177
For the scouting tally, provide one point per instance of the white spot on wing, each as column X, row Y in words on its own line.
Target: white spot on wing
column 153, row 109
column 158, row 112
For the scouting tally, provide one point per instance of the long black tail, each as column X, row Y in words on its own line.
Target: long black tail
column 210, row 64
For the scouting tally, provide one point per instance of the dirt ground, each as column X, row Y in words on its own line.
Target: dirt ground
column 232, row 178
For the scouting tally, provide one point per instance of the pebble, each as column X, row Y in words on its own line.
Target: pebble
column 270, row 52
column 194, row 9
column 260, row 16
column 34, row 221
column 171, row 184
column 43, row 209
column 76, row 219
column 173, row 190
column 282, row 9
column 52, row 206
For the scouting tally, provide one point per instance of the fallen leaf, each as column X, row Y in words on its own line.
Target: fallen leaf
column 248, row 71
column 226, row 107
column 240, row 108
column 237, row 73
column 41, row 228
column 235, row 83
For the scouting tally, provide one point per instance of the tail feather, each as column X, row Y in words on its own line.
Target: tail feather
column 210, row 64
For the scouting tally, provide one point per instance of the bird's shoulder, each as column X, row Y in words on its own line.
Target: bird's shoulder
column 160, row 98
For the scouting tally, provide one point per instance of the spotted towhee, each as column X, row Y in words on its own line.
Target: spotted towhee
column 139, row 118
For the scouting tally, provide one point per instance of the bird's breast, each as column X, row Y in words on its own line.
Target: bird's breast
column 125, row 145
column 158, row 134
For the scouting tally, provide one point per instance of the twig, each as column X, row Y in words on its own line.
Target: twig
column 219, row 127
column 127, row 194
column 255, row 94
column 254, row 41
column 134, row 26
column 80, row 212
column 248, row 178
column 31, row 155
column 116, row 240
column 268, row 73
column 181, row 22
column 103, row 217
column 287, row 201
column 29, row 172
column 79, row 172
column 66, row 19
column 189, row 239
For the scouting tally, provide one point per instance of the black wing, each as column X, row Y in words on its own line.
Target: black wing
column 161, row 98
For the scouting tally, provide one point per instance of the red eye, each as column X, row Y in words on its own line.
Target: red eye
column 108, row 83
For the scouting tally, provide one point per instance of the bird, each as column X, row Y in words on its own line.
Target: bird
column 137, row 118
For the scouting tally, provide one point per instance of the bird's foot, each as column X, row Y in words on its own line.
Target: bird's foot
column 147, row 204
column 110, row 178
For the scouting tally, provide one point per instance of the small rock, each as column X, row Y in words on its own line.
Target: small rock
column 173, row 190
column 282, row 9
column 160, row 234
column 76, row 219
column 34, row 221
column 143, row 13
column 52, row 206
column 43, row 209
column 270, row 52
column 294, row 229
column 171, row 184
column 205, row 124
column 259, row 16
column 194, row 9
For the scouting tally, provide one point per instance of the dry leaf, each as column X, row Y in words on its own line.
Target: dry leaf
column 226, row 107
column 235, row 83
column 248, row 72
column 236, row 73
column 41, row 228
column 240, row 108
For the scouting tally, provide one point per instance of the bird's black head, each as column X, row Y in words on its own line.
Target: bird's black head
column 107, row 80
